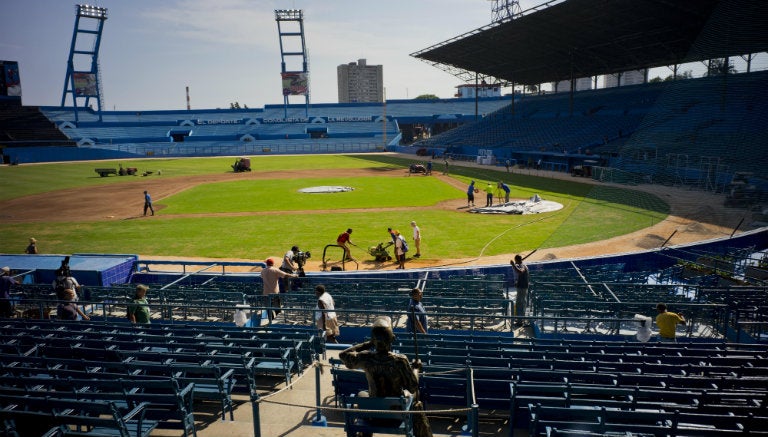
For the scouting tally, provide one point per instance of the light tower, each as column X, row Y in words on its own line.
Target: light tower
column 83, row 79
column 293, row 55
column 505, row 9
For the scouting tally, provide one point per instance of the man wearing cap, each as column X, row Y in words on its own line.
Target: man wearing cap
column 344, row 240
column 388, row 374
column 270, row 277
column 6, row 281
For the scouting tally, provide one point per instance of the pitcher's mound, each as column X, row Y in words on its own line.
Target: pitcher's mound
column 326, row 189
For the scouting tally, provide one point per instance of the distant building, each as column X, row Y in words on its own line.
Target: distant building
column 360, row 82
column 468, row 91
column 582, row 84
column 633, row 77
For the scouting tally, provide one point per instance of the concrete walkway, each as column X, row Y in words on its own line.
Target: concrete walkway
column 291, row 412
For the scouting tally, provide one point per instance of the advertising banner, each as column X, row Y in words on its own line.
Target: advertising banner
column 85, row 84
column 295, row 84
column 11, row 79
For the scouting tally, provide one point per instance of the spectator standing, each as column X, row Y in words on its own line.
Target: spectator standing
column 521, row 286
column 344, row 240
column 69, row 310
column 429, row 168
column 417, row 315
column 667, row 322
column 388, row 374
column 325, row 317
column 65, row 280
column 148, row 203
column 507, row 164
column 416, row 238
column 489, row 194
column 471, row 194
column 32, row 247
column 138, row 309
column 288, row 267
column 6, row 281
column 400, row 249
column 270, row 276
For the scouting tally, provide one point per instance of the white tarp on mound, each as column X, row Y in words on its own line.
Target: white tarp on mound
column 534, row 205
column 326, row 189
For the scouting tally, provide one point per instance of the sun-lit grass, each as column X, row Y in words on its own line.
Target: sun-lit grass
column 281, row 215
column 284, row 195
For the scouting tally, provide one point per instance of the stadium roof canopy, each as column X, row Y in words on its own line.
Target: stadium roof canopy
column 561, row 39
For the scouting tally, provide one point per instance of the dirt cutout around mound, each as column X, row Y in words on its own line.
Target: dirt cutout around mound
column 694, row 216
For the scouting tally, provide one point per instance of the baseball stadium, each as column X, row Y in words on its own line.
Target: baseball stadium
column 610, row 197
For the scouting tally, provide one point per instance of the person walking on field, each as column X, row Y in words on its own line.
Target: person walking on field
column 32, row 248
column 325, row 317
column 521, row 286
column 667, row 322
column 416, row 239
column 148, row 203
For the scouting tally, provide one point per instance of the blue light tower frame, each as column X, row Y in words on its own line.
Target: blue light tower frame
column 284, row 16
column 85, row 14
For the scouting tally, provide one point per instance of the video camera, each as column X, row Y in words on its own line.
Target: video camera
column 300, row 258
column 64, row 268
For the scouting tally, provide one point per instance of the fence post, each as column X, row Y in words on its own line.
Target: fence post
column 256, row 418
column 319, row 419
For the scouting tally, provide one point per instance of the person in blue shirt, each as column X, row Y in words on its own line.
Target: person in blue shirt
column 148, row 203
column 417, row 315
column 471, row 194
column 506, row 189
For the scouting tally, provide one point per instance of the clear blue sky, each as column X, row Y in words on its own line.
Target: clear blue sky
column 228, row 50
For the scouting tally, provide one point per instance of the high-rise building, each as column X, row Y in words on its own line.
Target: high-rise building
column 360, row 82
column 634, row 77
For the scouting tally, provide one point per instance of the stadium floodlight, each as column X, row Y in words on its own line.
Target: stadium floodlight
column 288, row 14
column 89, row 11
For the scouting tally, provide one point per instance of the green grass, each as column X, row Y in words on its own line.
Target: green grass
column 591, row 212
column 283, row 195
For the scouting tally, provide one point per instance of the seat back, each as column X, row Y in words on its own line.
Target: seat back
column 378, row 415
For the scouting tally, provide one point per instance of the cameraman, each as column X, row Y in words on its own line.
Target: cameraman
column 288, row 267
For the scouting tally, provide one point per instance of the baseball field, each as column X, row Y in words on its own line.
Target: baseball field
column 205, row 210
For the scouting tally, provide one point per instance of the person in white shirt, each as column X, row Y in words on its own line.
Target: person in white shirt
column 416, row 239
column 325, row 318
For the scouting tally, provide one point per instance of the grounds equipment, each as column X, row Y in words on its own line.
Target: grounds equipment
column 380, row 253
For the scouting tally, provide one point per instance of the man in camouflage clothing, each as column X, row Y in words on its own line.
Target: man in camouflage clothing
column 388, row 373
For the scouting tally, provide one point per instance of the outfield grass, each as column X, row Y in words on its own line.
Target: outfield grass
column 591, row 212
